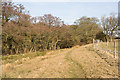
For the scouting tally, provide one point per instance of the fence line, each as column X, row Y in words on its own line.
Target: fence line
column 96, row 45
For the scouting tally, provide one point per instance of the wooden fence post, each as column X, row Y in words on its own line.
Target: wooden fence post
column 94, row 43
column 114, row 49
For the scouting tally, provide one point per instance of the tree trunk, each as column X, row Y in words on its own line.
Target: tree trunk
column 11, row 52
column 24, row 50
column 107, row 40
column 31, row 50
column 111, row 36
column 17, row 51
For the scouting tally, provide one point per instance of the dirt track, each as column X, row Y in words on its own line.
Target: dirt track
column 76, row 62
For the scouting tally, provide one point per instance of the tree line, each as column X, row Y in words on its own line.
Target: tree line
column 22, row 33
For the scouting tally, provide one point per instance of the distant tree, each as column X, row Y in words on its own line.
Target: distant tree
column 86, row 20
column 50, row 20
column 22, row 33
column 34, row 20
column 100, row 36
column 12, row 12
column 7, row 11
column 109, row 25
column 88, row 28
column 24, row 20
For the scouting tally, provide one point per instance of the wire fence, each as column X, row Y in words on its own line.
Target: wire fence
column 111, row 47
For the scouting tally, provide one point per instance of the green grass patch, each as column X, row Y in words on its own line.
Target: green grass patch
column 76, row 69
column 12, row 58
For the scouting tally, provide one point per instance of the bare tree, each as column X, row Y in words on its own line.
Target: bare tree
column 50, row 20
column 109, row 25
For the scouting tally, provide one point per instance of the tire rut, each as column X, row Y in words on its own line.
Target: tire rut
column 76, row 70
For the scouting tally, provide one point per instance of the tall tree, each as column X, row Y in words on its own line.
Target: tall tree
column 7, row 11
column 109, row 25
column 88, row 28
column 50, row 20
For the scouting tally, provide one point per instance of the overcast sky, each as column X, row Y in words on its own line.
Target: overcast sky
column 69, row 11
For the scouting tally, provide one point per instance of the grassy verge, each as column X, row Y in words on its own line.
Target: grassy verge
column 12, row 58
column 106, row 57
column 110, row 45
column 75, row 69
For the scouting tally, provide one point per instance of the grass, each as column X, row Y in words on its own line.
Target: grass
column 73, row 66
column 13, row 58
column 21, row 62
column 110, row 45
column 76, row 68
column 15, row 72
column 107, row 58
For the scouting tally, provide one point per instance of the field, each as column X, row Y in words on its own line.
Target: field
column 110, row 46
column 44, row 44
column 75, row 62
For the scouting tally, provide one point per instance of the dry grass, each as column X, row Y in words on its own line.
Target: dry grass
column 111, row 46
column 76, row 62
